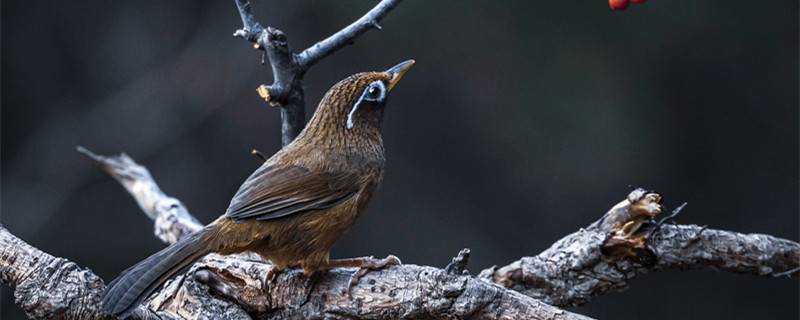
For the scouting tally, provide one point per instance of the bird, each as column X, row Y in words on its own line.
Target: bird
column 296, row 205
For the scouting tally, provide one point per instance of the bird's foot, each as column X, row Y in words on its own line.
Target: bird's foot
column 273, row 273
column 370, row 263
column 364, row 265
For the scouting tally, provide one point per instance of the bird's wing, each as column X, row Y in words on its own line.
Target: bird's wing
column 273, row 192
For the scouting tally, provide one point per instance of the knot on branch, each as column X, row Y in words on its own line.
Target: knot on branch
column 624, row 224
column 269, row 39
column 227, row 285
column 275, row 38
column 459, row 264
column 250, row 32
column 273, row 94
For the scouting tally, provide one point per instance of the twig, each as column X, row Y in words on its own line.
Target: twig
column 259, row 155
column 288, row 68
column 324, row 48
column 673, row 214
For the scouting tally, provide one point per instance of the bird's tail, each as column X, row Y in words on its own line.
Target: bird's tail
column 137, row 282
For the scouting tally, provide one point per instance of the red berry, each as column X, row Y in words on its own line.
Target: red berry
column 638, row 1
column 619, row 4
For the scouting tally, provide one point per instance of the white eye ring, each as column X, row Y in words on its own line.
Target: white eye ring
column 376, row 91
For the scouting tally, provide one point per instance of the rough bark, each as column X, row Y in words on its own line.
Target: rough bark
column 625, row 243
column 48, row 287
column 401, row 292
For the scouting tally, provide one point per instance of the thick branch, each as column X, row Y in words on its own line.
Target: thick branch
column 610, row 253
column 288, row 68
column 229, row 287
column 47, row 287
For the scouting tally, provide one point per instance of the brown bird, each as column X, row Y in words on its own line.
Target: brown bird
column 294, row 207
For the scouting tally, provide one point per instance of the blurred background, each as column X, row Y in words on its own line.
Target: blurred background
column 521, row 122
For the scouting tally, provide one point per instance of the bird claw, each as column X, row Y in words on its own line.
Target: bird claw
column 271, row 275
column 369, row 264
column 355, row 277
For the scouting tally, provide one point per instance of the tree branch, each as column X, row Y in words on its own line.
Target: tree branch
column 594, row 261
column 610, row 253
column 346, row 36
column 48, row 287
column 288, row 68
column 172, row 220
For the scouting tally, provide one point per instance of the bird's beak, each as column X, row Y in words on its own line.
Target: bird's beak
column 397, row 72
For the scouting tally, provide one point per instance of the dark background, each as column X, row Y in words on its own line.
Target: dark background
column 521, row 122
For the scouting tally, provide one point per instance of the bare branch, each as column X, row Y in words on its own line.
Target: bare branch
column 230, row 287
column 251, row 29
column 172, row 220
column 680, row 247
column 607, row 255
column 288, row 68
column 600, row 259
column 47, row 287
column 346, row 36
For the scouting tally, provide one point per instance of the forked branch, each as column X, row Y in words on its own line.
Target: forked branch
column 289, row 68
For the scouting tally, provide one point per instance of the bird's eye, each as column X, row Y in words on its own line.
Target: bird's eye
column 374, row 92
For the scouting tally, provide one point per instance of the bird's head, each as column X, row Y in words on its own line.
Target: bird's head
column 355, row 105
